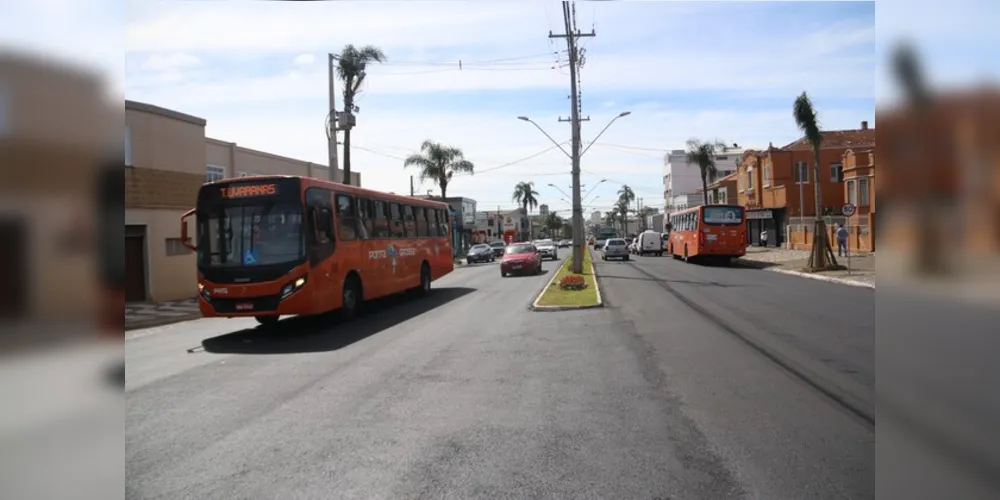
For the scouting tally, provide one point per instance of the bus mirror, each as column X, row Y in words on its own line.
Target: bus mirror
column 185, row 239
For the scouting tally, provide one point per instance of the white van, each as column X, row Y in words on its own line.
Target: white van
column 650, row 242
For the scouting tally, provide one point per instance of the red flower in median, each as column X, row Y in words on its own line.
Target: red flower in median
column 572, row 282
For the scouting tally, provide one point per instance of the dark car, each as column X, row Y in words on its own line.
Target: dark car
column 521, row 258
column 480, row 253
column 498, row 248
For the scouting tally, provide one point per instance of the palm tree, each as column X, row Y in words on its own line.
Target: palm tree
column 805, row 118
column 627, row 195
column 703, row 154
column 526, row 196
column 611, row 218
column 622, row 210
column 351, row 68
column 643, row 215
column 439, row 163
column 553, row 222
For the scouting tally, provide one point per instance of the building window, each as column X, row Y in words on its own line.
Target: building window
column 176, row 247
column 128, row 146
column 863, row 194
column 836, row 172
column 767, row 175
column 801, row 172
column 852, row 193
column 214, row 173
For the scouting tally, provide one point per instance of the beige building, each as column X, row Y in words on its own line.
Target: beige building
column 167, row 158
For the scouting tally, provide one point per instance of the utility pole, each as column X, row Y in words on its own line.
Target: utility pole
column 571, row 36
column 411, row 187
column 331, row 136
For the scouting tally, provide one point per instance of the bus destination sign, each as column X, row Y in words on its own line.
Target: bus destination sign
column 249, row 190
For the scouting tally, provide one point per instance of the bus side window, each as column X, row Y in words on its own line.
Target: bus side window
column 431, row 222
column 381, row 219
column 443, row 223
column 395, row 220
column 347, row 218
column 409, row 225
column 319, row 221
column 366, row 211
column 420, row 216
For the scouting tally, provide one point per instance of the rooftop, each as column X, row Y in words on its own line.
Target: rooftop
column 860, row 137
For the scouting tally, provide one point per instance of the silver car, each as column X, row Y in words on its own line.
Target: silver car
column 547, row 248
column 615, row 248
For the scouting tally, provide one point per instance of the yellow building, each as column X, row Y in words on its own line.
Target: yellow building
column 167, row 158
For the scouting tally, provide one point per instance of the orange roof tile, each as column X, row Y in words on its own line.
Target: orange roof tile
column 837, row 139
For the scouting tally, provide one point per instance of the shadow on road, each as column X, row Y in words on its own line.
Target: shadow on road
column 543, row 272
column 324, row 333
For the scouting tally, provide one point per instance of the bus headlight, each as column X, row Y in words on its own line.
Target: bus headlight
column 204, row 293
column 292, row 287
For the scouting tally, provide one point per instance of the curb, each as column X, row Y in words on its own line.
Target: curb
column 600, row 298
column 150, row 323
column 820, row 277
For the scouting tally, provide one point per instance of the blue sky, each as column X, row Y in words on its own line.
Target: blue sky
column 726, row 70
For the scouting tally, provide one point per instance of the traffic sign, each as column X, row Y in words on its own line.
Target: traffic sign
column 848, row 209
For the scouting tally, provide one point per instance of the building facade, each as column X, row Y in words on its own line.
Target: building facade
column 682, row 178
column 167, row 159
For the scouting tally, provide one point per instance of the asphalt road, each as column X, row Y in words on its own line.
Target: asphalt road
column 467, row 394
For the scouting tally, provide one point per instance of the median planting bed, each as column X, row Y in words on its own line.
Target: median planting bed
column 567, row 290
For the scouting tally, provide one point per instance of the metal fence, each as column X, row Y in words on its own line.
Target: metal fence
column 805, row 224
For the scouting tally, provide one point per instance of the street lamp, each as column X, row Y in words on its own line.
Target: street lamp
column 557, row 188
column 623, row 114
column 540, row 129
column 591, row 190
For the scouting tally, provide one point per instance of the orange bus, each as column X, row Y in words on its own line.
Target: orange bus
column 269, row 246
column 717, row 232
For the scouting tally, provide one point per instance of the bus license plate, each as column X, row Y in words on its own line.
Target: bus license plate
column 246, row 306
column 712, row 237
column 517, row 266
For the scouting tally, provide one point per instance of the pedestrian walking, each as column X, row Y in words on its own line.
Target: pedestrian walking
column 841, row 240
column 763, row 238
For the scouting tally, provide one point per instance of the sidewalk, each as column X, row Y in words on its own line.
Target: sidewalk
column 861, row 273
column 149, row 314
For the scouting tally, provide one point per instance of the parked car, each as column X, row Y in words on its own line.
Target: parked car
column 565, row 243
column 521, row 258
column 480, row 253
column 498, row 248
column 547, row 248
column 615, row 248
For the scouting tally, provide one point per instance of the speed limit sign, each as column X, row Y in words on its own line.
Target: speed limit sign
column 848, row 209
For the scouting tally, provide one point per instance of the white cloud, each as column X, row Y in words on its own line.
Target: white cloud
column 166, row 62
column 304, row 59
column 280, row 109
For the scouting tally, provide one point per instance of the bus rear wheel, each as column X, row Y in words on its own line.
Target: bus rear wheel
column 425, row 279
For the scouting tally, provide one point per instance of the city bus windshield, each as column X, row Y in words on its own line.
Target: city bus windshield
column 258, row 233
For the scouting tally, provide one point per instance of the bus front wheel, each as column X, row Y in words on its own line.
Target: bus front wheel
column 267, row 320
column 350, row 304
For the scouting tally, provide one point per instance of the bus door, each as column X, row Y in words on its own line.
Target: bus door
column 349, row 239
column 321, row 240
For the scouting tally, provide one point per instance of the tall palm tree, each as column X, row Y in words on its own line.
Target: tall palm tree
column 439, row 163
column 703, row 154
column 611, row 218
column 805, row 118
column 626, row 194
column 622, row 209
column 526, row 196
column 351, row 68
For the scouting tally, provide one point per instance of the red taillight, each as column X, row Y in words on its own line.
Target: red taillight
column 701, row 237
